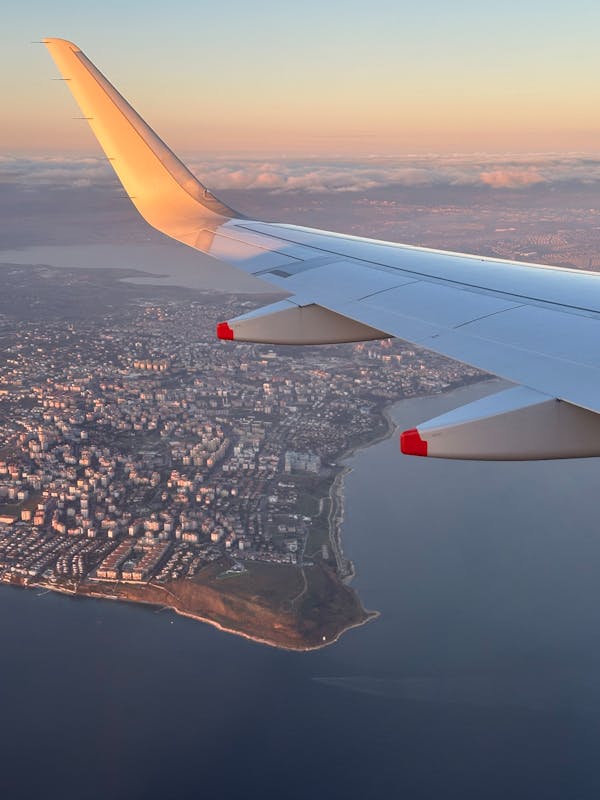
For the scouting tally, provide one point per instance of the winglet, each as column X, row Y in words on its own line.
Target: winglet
column 161, row 187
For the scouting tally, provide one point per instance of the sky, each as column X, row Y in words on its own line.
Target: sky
column 338, row 78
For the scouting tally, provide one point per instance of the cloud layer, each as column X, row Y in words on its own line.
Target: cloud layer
column 322, row 176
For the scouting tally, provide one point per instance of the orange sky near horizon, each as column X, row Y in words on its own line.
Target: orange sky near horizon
column 391, row 79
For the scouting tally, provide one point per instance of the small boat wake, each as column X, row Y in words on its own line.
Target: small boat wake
column 568, row 691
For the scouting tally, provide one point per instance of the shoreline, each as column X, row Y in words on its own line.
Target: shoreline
column 345, row 569
column 63, row 590
column 337, row 498
column 336, row 492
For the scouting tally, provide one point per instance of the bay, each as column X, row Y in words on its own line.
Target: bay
column 161, row 262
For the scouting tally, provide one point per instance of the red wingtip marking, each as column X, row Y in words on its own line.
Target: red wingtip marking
column 224, row 331
column 411, row 443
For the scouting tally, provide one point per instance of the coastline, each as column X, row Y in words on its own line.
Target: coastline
column 289, row 629
column 86, row 590
column 337, row 489
column 337, row 497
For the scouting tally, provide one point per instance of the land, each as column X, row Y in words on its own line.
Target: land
column 285, row 607
column 143, row 461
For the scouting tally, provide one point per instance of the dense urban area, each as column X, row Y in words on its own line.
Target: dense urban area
column 137, row 449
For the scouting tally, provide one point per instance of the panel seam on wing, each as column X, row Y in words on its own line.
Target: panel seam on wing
column 472, row 287
column 486, row 316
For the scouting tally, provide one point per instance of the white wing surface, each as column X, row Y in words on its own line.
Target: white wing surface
column 536, row 326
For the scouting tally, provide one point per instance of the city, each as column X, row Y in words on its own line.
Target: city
column 139, row 453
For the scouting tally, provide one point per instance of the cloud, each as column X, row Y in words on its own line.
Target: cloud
column 320, row 176
column 56, row 171
column 511, row 178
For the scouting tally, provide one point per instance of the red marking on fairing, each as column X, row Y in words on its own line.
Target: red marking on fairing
column 411, row 443
column 224, row 331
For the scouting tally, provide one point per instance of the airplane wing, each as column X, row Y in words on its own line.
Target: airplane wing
column 537, row 326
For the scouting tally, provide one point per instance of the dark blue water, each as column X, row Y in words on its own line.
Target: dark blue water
column 481, row 678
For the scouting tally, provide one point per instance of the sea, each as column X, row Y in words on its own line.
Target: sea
column 479, row 679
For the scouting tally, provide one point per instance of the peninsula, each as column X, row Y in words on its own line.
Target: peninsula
column 143, row 461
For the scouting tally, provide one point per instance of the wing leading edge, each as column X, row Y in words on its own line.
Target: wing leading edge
column 534, row 325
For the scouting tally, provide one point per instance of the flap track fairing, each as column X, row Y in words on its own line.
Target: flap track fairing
column 515, row 425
